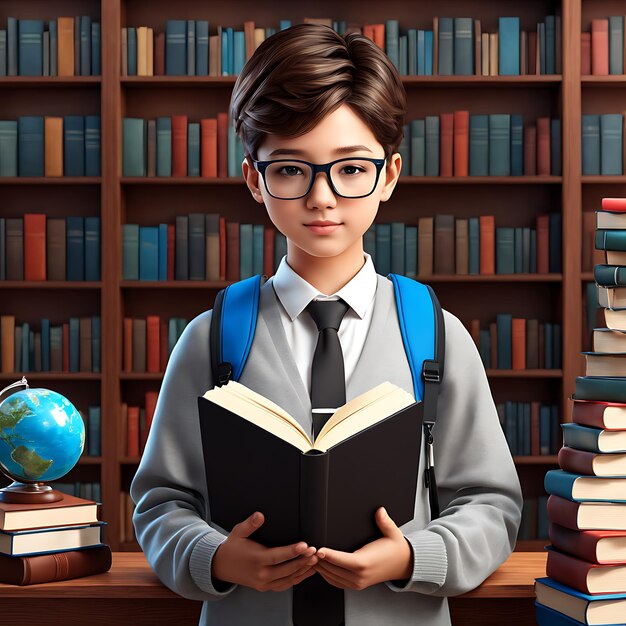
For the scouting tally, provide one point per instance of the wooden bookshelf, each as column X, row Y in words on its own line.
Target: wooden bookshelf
column 515, row 201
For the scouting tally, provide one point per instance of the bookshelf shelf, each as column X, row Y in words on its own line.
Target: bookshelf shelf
column 587, row 276
column 604, row 81
column 40, row 82
column 548, row 459
column 496, row 373
column 49, row 284
column 90, row 460
column 43, row 180
column 52, row 376
column 603, row 180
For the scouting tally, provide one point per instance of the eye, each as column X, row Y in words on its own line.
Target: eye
column 353, row 169
column 289, row 170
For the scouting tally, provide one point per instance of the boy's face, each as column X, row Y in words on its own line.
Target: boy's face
column 343, row 127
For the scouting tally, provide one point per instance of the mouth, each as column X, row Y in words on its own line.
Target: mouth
column 323, row 228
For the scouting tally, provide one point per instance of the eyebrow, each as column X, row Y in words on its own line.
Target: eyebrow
column 342, row 150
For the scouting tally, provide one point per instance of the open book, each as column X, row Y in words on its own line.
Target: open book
column 257, row 457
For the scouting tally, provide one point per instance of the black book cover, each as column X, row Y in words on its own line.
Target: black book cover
column 323, row 498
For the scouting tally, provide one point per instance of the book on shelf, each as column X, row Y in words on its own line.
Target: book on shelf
column 323, row 491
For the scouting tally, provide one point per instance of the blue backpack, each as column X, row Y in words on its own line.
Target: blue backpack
column 233, row 323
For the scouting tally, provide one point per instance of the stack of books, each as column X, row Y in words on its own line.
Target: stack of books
column 42, row 543
column 586, row 565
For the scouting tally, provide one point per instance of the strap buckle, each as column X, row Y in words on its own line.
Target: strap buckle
column 224, row 372
column 430, row 371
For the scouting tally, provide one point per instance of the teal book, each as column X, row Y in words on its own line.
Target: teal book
column 550, row 41
column 12, row 46
column 93, row 437
column 96, row 53
column 518, row 251
column 611, row 147
column 92, row 248
column 190, row 46
column 463, row 46
column 131, row 35
column 231, row 138
column 428, row 50
column 533, row 251
column 412, row 51
column 202, row 47
column 503, row 324
column 555, row 256
column 591, row 439
column 583, row 488
column 525, row 250
column 548, row 346
column 383, row 249
column 616, row 44
column 611, row 239
column 239, row 51
column 54, row 45
column 175, row 48
column 133, row 146
column 555, row 147
column 280, row 248
column 432, row 145
column 30, row 47
column 148, row 253
column 245, row 251
column 545, row 444
column 258, row 248
column 505, row 258
column 8, row 148
column 418, row 147
column 397, row 248
column 164, row 146
column 181, row 242
column 405, row 150
column 607, row 388
column 484, row 348
column 197, row 246
column 508, row 46
column 474, row 245
column 479, row 145
column 446, row 47
column 517, row 145
column 92, row 145
column 422, row 54
column 284, row 24
column 193, row 149
column 75, row 247
column 96, row 343
column 403, row 48
column 74, row 145
column 369, row 242
column 541, row 38
column 499, row 145
column 610, row 275
column 410, row 251
column 3, row 52
column 30, row 133
column 85, row 45
column 590, row 145
column 162, row 251
column 392, row 41
column 130, row 252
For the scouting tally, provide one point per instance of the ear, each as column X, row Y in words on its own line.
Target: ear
column 391, row 172
column 252, row 178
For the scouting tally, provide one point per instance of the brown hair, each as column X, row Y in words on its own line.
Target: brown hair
column 301, row 74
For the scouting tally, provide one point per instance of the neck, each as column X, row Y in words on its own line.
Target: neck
column 327, row 274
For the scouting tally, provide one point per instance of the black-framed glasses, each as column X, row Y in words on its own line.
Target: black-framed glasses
column 291, row 179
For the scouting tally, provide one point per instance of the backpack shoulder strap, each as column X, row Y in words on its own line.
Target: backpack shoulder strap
column 233, row 323
column 423, row 333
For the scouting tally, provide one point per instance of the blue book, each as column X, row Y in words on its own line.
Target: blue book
column 95, row 49
column 202, row 47
column 191, row 48
column 258, row 247
column 45, row 344
column 74, row 145
column 75, row 262
column 54, row 44
column 383, row 248
column 585, row 598
column 585, row 438
column 517, row 145
column 30, row 47
column 392, row 41
column 30, row 133
column 369, row 242
column 85, row 45
column 397, row 248
column 228, row 53
column 474, row 245
column 96, row 343
column 92, row 145
column 162, row 251
column 148, row 253
column 12, row 45
column 446, row 46
column 550, row 54
column 479, row 145
column 3, row 52
column 405, row 150
column 8, row 148
column 463, row 46
column 74, row 341
column 499, row 145
column 549, row 617
column 239, row 51
column 616, row 44
column 402, row 55
column 590, row 145
column 193, row 149
column 284, row 24
column 505, row 261
column 175, row 48
column 570, row 486
column 245, row 251
column 26, row 360
column 164, row 146
column 428, row 48
column 196, row 242
column 410, row 251
column 130, row 251
column 93, row 436
column 131, row 38
column 418, row 147
column 412, row 60
column 508, row 46
column 504, row 323
column 555, row 147
column 611, row 144
column 541, row 37
column 432, row 145
column 421, row 53
column 92, row 248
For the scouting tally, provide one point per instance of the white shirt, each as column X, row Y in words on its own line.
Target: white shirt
column 294, row 293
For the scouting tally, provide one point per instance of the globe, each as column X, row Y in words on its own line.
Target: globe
column 42, row 435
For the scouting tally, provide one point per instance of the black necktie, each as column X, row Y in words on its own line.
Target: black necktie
column 316, row 602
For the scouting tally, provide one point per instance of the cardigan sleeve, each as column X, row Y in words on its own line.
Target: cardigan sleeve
column 479, row 492
column 169, row 487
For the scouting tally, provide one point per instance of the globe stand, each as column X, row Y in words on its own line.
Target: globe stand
column 29, row 493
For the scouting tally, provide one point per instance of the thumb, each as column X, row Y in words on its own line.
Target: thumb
column 249, row 525
column 385, row 523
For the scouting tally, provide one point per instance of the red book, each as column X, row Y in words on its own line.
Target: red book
column 222, row 145
column 530, row 151
column 588, row 544
column 543, row 244
column 614, row 204
column 208, row 145
column 152, row 344
column 461, row 143
column 34, row 246
column 600, row 47
column 586, row 515
column 268, row 251
column 543, row 146
column 151, row 400
column 159, row 54
column 585, row 54
column 598, row 414
column 171, row 250
column 591, row 463
column 518, row 343
column 487, row 227
column 587, row 577
column 446, row 130
column 179, row 145
column 532, row 52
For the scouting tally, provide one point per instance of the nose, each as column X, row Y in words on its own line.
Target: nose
column 321, row 194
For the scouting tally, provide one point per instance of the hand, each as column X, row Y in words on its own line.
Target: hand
column 244, row 561
column 387, row 558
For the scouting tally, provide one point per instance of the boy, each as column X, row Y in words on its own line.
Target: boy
column 308, row 95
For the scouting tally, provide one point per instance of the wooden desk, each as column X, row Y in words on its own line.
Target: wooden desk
column 130, row 593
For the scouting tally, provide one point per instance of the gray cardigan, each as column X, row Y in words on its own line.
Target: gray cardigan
column 479, row 491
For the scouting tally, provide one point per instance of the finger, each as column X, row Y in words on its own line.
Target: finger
column 291, row 580
column 333, row 580
column 248, row 526
column 335, row 570
column 347, row 560
column 274, row 556
column 292, row 567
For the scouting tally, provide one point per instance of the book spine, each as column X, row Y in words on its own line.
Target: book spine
column 314, row 467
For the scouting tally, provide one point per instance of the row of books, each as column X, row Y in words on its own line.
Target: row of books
column 602, row 48
column 530, row 428
column 93, row 438
column 136, row 422
column 72, row 346
column 127, row 508
column 38, row 247
column 518, row 343
column 37, row 145
column 52, row 541
column 66, row 46
column 602, row 144
column 534, row 524
column 587, row 494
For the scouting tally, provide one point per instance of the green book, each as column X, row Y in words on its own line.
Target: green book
column 610, row 275
column 134, row 147
column 613, row 239
column 605, row 388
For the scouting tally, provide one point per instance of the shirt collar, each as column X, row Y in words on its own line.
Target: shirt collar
column 295, row 293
